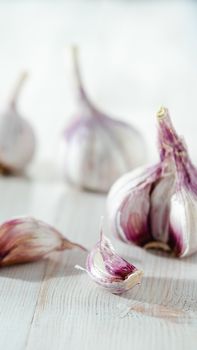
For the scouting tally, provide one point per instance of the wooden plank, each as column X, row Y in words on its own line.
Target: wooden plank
column 52, row 305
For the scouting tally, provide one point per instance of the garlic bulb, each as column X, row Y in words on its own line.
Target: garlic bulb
column 26, row 239
column 97, row 149
column 156, row 207
column 17, row 140
column 109, row 270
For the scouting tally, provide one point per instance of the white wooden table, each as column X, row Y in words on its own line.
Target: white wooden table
column 51, row 305
column 136, row 56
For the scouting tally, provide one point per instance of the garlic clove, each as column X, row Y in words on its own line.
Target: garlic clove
column 109, row 270
column 133, row 216
column 183, row 223
column 183, row 199
column 17, row 139
column 158, row 209
column 26, row 239
column 97, row 149
column 159, row 214
column 129, row 205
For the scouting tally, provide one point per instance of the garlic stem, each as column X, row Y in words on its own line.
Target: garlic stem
column 75, row 59
column 161, row 113
column 80, row 92
column 17, row 89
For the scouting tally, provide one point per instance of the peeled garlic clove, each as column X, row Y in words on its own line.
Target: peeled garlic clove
column 158, row 208
column 17, row 139
column 97, row 149
column 109, row 270
column 26, row 239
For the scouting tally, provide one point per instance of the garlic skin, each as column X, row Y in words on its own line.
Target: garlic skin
column 156, row 207
column 17, row 139
column 97, row 149
column 26, row 239
column 109, row 270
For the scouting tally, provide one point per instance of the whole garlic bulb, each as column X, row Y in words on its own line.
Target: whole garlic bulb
column 17, row 140
column 156, row 207
column 96, row 148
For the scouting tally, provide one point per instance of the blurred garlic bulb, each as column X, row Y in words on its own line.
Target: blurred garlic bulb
column 156, row 207
column 17, row 140
column 109, row 270
column 26, row 239
column 96, row 148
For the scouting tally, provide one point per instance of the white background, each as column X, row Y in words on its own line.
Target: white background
column 135, row 56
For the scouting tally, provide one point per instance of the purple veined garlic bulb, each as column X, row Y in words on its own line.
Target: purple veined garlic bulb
column 26, row 239
column 17, row 139
column 97, row 149
column 156, row 207
column 109, row 270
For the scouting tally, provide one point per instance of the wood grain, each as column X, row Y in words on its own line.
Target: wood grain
column 51, row 305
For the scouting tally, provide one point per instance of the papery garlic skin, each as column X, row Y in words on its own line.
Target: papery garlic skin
column 27, row 239
column 97, row 149
column 157, row 207
column 109, row 270
column 17, row 138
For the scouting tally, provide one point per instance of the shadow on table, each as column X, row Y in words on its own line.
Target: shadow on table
column 170, row 299
column 57, row 265
column 168, row 256
column 168, row 291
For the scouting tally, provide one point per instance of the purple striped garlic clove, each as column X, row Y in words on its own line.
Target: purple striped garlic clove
column 129, row 205
column 97, row 149
column 26, row 239
column 157, row 207
column 109, row 270
column 17, row 139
